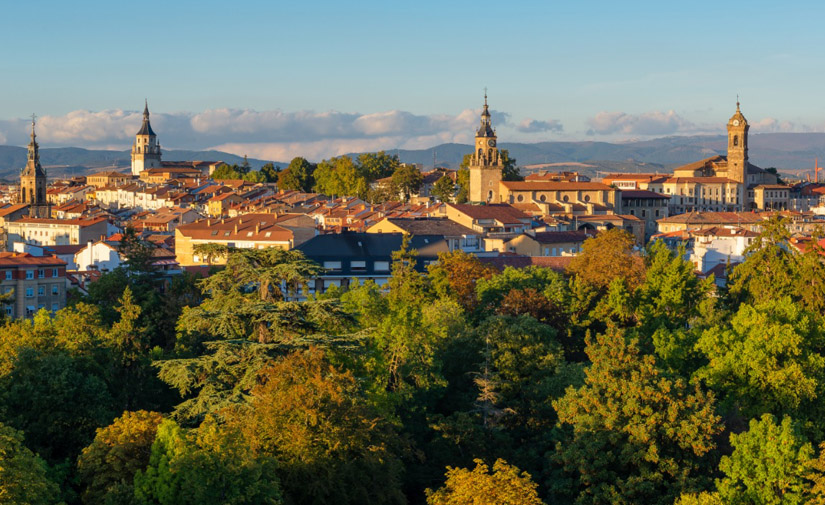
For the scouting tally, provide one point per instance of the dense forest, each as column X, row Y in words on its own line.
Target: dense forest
column 625, row 380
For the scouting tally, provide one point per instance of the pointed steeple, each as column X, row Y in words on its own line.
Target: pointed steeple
column 33, row 159
column 146, row 129
column 486, row 128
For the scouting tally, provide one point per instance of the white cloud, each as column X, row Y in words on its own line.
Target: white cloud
column 648, row 123
column 772, row 125
column 529, row 125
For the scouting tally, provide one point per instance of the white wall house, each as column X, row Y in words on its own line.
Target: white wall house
column 97, row 256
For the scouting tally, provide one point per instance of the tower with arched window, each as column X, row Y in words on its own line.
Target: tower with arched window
column 146, row 149
column 485, row 164
column 33, row 181
column 738, row 147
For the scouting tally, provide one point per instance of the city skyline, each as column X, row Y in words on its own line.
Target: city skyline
column 323, row 79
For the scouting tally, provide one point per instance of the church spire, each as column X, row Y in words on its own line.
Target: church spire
column 146, row 129
column 486, row 128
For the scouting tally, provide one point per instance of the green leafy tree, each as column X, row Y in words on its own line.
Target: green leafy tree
column 768, row 271
column 463, row 183
column 505, row 485
column 270, row 172
column 340, row 177
column 509, row 171
column 769, row 465
column 255, row 177
column 107, row 466
column 408, row 180
column 767, row 360
column 632, row 434
column 374, row 166
column 297, row 176
column 23, row 475
column 209, row 465
column 58, row 399
column 444, row 189
column 227, row 172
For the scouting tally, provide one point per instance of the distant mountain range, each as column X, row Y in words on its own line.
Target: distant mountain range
column 67, row 161
column 791, row 153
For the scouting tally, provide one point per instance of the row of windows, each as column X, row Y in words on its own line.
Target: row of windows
column 41, row 274
column 41, row 290
column 358, row 266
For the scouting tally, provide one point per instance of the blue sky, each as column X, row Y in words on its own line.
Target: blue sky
column 277, row 79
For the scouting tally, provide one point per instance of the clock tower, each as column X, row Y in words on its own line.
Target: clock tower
column 485, row 164
column 738, row 147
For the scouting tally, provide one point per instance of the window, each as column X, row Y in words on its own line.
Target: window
column 8, row 275
column 358, row 266
column 520, row 198
column 41, row 273
column 55, row 289
column 29, row 274
column 41, row 290
column 543, row 198
column 55, row 307
column 9, row 310
column 382, row 266
column 332, row 265
column 29, row 292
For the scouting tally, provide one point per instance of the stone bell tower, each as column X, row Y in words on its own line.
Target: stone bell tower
column 485, row 165
column 33, row 181
column 146, row 149
column 738, row 147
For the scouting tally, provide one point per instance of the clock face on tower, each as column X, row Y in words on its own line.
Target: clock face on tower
column 491, row 143
column 735, row 122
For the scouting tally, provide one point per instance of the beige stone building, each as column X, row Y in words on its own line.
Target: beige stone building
column 548, row 243
column 47, row 231
column 108, row 178
column 248, row 231
column 573, row 198
column 700, row 220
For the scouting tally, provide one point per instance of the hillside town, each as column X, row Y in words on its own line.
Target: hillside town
column 60, row 235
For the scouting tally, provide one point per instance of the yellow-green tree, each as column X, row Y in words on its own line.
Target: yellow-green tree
column 23, row 475
column 505, row 485
column 108, row 465
column 332, row 445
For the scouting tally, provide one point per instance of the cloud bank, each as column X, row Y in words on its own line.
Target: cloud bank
column 536, row 126
column 273, row 134
column 648, row 123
